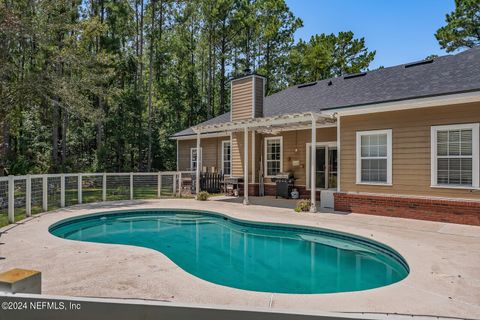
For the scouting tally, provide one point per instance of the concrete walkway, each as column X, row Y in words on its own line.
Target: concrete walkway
column 444, row 261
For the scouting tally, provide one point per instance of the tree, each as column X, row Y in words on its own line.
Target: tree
column 326, row 56
column 101, row 85
column 463, row 26
column 276, row 39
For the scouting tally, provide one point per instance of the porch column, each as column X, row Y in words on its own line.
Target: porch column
column 313, row 173
column 197, row 169
column 254, row 162
column 245, row 167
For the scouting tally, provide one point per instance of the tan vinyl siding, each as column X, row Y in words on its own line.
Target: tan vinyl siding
column 299, row 139
column 291, row 140
column 259, row 97
column 238, row 149
column 242, row 99
column 211, row 151
column 410, row 148
column 237, row 154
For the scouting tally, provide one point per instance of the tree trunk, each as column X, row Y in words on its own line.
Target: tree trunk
column 5, row 140
column 140, row 55
column 150, row 78
column 222, row 77
column 192, row 74
column 55, row 116
column 64, row 140
column 210, row 67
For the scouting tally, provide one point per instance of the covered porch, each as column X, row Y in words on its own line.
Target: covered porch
column 251, row 150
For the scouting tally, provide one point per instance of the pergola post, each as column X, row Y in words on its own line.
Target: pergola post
column 313, row 163
column 197, row 169
column 253, row 157
column 245, row 169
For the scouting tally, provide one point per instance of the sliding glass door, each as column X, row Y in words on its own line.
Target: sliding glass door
column 325, row 167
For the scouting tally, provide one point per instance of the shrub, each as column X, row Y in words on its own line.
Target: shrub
column 203, row 196
column 303, row 206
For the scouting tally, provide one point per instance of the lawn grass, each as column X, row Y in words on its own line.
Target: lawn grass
column 89, row 195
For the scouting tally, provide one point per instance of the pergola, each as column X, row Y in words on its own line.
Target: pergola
column 293, row 121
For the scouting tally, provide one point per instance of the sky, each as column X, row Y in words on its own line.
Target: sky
column 399, row 30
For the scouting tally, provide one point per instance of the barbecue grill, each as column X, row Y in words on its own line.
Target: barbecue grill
column 284, row 182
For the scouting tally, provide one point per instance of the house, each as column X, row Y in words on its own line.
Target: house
column 399, row 141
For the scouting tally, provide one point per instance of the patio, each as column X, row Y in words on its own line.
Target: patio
column 443, row 258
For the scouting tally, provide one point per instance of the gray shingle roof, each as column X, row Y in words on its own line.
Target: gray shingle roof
column 445, row 75
column 220, row 119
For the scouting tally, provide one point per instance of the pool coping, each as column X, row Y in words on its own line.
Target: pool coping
column 369, row 243
column 377, row 228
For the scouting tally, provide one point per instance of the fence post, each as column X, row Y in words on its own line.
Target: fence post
column 175, row 184
column 180, row 184
column 104, row 187
column 131, row 185
column 45, row 192
column 79, row 188
column 62, row 191
column 11, row 199
column 28, row 196
column 159, row 185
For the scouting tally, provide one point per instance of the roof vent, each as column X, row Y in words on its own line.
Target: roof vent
column 418, row 63
column 354, row 75
column 329, row 83
column 307, row 84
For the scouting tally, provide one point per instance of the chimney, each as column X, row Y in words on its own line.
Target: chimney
column 247, row 95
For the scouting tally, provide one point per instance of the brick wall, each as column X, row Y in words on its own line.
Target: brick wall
column 453, row 211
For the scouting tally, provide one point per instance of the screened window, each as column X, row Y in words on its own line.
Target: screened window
column 226, row 158
column 455, row 155
column 273, row 156
column 374, row 156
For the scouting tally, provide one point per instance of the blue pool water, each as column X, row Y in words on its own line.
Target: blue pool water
column 247, row 255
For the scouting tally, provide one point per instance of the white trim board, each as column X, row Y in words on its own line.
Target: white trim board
column 265, row 153
column 327, row 145
column 414, row 103
column 198, row 157
column 475, row 127
column 358, row 157
column 222, row 160
column 204, row 136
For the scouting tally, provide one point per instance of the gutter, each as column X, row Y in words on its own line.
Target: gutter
column 439, row 100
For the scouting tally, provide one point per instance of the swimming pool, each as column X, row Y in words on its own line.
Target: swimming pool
column 247, row 255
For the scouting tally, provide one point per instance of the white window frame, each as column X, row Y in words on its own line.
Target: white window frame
column 475, row 155
column 360, row 134
column 191, row 158
column 223, row 158
column 328, row 145
column 265, row 154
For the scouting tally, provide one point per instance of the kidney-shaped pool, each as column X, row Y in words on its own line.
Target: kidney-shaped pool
column 247, row 255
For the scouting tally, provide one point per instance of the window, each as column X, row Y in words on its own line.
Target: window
column 273, row 156
column 454, row 159
column 193, row 158
column 226, row 158
column 374, row 157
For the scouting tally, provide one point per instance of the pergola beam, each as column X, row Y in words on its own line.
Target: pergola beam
column 266, row 123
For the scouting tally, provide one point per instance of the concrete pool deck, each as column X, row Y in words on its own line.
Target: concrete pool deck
column 444, row 259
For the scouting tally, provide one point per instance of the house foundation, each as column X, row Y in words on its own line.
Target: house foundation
column 432, row 209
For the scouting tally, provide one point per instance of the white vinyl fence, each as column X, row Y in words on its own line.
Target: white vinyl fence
column 22, row 196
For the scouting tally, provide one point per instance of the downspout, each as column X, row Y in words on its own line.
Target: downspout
column 338, row 117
